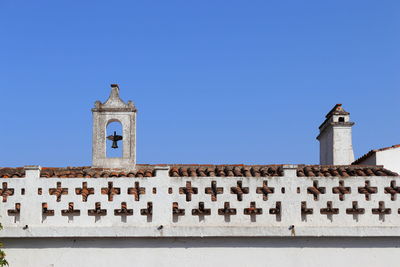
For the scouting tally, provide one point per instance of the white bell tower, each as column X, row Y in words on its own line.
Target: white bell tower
column 335, row 138
column 114, row 110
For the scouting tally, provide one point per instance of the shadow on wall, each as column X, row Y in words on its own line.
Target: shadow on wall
column 194, row 242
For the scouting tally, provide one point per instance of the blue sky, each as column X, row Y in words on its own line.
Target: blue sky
column 214, row 81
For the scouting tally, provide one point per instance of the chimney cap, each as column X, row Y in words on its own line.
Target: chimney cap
column 337, row 110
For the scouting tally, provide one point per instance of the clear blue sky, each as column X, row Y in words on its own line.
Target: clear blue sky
column 214, row 81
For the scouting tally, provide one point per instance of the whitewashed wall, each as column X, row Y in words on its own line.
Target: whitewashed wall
column 390, row 158
column 201, row 252
column 289, row 238
column 380, row 216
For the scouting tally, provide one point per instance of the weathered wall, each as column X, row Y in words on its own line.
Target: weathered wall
column 267, row 251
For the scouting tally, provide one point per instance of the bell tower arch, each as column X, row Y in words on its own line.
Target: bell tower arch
column 114, row 110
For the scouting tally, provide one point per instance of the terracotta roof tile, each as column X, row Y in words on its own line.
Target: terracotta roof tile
column 183, row 170
column 342, row 171
column 225, row 170
column 88, row 172
column 12, row 172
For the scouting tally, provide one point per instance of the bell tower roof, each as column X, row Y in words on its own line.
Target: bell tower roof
column 114, row 102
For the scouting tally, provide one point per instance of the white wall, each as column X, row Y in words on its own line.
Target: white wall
column 267, row 251
column 389, row 158
column 289, row 190
column 326, row 147
column 342, row 145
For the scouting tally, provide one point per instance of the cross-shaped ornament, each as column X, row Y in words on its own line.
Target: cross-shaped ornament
column 188, row 191
column 367, row 190
column 341, row 190
column 136, row 191
column 84, row 191
column 227, row 210
column 6, row 192
column 392, row 190
column 214, row 190
column 239, row 190
column 58, row 191
column 110, row 191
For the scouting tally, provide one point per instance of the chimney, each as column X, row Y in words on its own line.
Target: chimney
column 335, row 138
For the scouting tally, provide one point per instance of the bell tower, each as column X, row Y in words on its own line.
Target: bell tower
column 114, row 110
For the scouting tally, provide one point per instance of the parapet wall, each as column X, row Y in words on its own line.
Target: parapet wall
column 165, row 206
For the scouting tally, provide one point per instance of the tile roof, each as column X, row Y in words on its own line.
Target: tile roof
column 372, row 152
column 192, row 170
column 89, row 172
column 225, row 170
column 337, row 110
column 342, row 171
column 12, row 172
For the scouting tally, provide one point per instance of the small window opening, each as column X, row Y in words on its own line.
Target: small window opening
column 114, row 145
column 341, row 119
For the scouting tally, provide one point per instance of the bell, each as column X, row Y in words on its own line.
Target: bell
column 114, row 144
column 114, row 138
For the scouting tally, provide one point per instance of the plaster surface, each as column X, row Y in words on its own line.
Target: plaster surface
column 266, row 251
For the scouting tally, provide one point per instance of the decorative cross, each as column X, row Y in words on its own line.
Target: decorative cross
column 252, row 210
column 114, row 138
column 15, row 211
column 201, row 211
column 367, row 190
column 110, row 191
column 355, row 210
column 381, row 210
column 123, row 211
column 84, row 191
column 305, row 210
column 97, row 211
column 214, row 190
column 46, row 211
column 5, row 192
column 147, row 211
column 341, row 190
column 136, row 191
column 70, row 211
column 392, row 190
column 315, row 190
column 265, row 190
column 227, row 210
column 188, row 191
column 329, row 210
column 277, row 210
column 239, row 190
column 176, row 210
column 58, row 192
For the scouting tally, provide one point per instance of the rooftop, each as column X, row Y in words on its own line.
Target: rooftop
column 194, row 170
column 372, row 152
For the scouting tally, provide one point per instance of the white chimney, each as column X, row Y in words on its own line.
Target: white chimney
column 335, row 138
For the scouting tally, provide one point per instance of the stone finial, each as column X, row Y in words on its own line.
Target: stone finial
column 114, row 102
